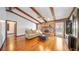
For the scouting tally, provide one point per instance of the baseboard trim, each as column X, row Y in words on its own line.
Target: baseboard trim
column 10, row 33
column 20, row 35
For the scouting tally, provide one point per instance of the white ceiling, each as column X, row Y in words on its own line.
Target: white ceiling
column 45, row 12
column 20, row 13
column 33, row 14
column 60, row 13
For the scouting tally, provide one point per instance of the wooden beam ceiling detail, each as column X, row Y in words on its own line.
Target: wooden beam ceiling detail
column 26, row 14
column 10, row 8
column 72, row 12
column 20, row 16
column 58, row 20
column 53, row 15
column 38, row 13
column 52, row 12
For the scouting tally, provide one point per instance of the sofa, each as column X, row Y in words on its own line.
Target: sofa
column 29, row 33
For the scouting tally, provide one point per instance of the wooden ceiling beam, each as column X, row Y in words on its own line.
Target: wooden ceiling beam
column 10, row 8
column 71, row 12
column 21, row 16
column 52, row 12
column 53, row 15
column 58, row 20
column 38, row 13
column 26, row 14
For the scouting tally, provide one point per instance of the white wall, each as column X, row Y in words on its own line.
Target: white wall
column 2, row 25
column 0, row 34
column 22, row 24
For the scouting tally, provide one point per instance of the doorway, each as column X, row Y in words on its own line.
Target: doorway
column 11, row 27
column 59, row 29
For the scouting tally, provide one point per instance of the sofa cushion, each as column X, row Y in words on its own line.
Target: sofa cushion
column 28, row 31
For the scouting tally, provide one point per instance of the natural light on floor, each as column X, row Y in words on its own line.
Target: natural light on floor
column 59, row 43
column 43, row 49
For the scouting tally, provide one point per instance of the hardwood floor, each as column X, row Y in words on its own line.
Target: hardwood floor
column 20, row 43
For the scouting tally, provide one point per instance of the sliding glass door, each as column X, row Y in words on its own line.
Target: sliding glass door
column 59, row 29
